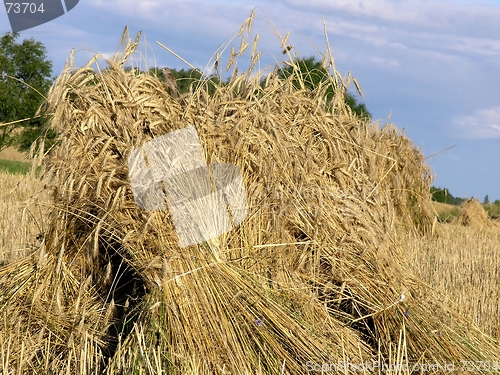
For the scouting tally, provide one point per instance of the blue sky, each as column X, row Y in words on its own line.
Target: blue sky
column 432, row 66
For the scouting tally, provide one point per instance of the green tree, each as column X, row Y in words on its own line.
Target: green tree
column 493, row 209
column 25, row 78
column 441, row 195
column 444, row 196
column 486, row 200
column 185, row 79
column 311, row 73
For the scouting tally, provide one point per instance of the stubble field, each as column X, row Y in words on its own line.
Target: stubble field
column 461, row 262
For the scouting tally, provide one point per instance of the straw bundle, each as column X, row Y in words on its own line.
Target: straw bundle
column 473, row 214
column 311, row 276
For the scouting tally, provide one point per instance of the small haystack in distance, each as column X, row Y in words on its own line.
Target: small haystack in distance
column 473, row 214
column 312, row 276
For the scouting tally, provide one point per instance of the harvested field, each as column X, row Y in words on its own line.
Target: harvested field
column 446, row 212
column 22, row 215
column 314, row 274
column 462, row 262
column 11, row 153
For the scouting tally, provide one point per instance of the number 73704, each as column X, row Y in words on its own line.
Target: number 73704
column 24, row 8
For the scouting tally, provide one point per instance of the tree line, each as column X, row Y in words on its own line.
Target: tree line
column 443, row 195
column 25, row 78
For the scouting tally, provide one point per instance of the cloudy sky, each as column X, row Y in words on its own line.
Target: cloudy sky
column 430, row 67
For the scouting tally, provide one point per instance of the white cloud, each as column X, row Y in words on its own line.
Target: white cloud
column 449, row 26
column 482, row 124
column 385, row 62
column 211, row 16
column 478, row 46
column 394, row 28
column 411, row 13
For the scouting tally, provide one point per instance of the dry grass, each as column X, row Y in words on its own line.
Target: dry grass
column 21, row 216
column 446, row 212
column 463, row 263
column 11, row 153
column 472, row 213
column 314, row 274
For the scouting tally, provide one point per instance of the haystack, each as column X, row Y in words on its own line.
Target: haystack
column 311, row 276
column 473, row 214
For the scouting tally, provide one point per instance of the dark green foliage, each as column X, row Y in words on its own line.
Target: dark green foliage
column 185, row 78
column 313, row 75
column 128, row 69
column 440, row 195
column 189, row 79
column 493, row 209
column 444, row 196
column 24, row 70
column 31, row 134
column 357, row 107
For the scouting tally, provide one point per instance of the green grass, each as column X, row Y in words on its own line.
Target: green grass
column 446, row 213
column 14, row 167
column 449, row 216
column 493, row 209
